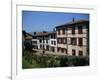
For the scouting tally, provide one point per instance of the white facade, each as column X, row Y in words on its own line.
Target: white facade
column 53, row 43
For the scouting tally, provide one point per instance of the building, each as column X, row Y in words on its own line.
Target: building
column 40, row 40
column 73, row 37
column 26, row 40
column 52, row 41
column 45, row 40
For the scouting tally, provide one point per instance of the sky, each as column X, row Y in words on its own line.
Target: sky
column 37, row 21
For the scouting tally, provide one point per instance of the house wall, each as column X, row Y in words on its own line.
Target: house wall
column 35, row 42
column 68, row 34
column 53, row 45
column 77, row 49
column 62, row 45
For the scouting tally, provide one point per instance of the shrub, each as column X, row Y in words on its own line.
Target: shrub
column 81, row 61
column 63, row 61
column 78, row 61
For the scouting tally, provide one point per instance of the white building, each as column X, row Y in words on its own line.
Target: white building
column 52, row 42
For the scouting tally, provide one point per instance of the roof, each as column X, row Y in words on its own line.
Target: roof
column 73, row 23
column 42, row 33
column 53, row 32
column 26, row 35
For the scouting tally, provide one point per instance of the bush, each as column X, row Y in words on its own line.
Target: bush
column 28, row 45
column 73, row 61
column 81, row 61
column 78, row 61
column 63, row 61
column 56, row 61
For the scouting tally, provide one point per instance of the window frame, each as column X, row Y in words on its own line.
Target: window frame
column 80, row 41
column 73, row 52
column 80, row 29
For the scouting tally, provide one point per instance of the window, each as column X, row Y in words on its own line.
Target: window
column 59, row 40
column 58, row 31
column 80, row 42
column 52, row 36
column 62, row 50
column 40, row 46
column 65, row 40
column 66, row 51
column 46, row 41
column 80, row 29
column 51, row 42
column 73, row 52
column 73, row 30
column 47, row 47
column 58, row 49
column 63, row 31
column 53, row 49
column 54, row 42
column 80, row 53
column 40, row 41
column 73, row 41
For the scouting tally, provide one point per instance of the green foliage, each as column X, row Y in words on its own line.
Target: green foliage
column 45, row 61
column 63, row 61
